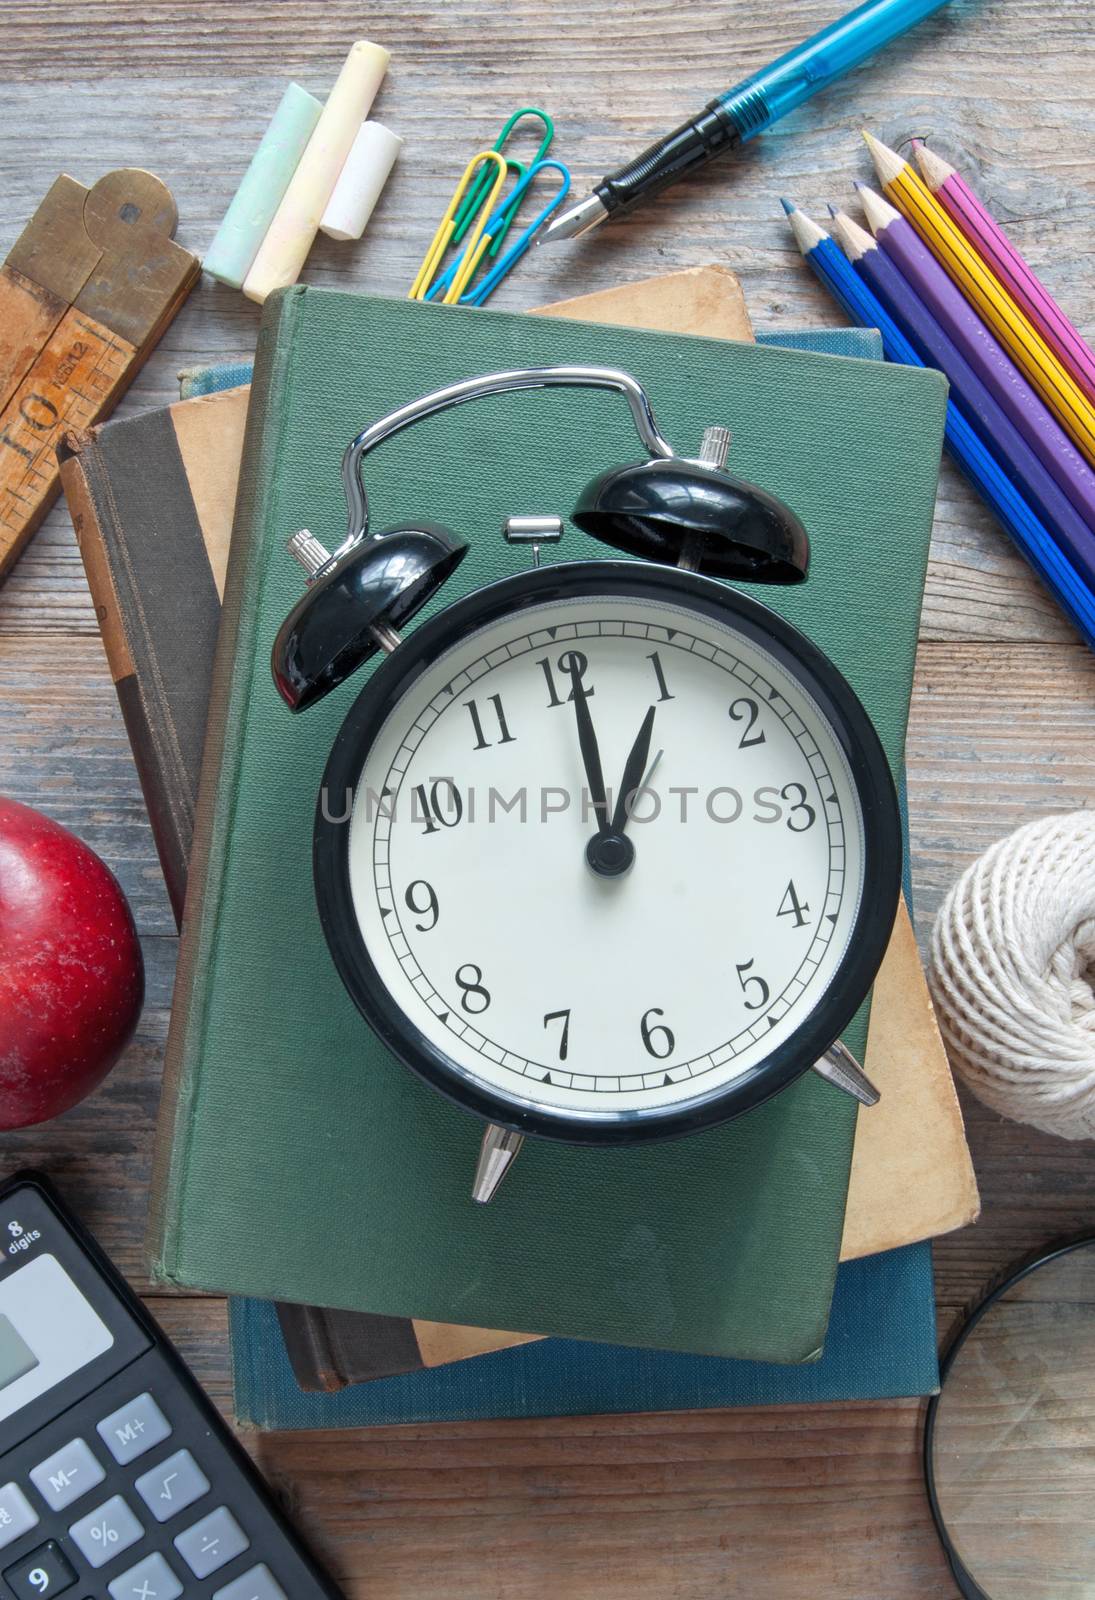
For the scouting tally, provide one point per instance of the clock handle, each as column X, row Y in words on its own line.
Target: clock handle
column 839, row 1067
column 455, row 394
column 497, row 1154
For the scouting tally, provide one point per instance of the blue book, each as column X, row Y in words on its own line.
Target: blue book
column 881, row 1340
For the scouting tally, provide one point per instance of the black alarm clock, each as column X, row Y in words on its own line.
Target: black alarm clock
column 623, row 854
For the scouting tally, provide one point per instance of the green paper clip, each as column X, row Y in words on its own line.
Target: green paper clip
column 473, row 199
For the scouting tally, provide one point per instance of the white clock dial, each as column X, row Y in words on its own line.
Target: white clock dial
column 541, row 981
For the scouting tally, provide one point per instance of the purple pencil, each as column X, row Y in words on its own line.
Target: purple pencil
column 989, row 360
column 996, row 430
column 997, row 251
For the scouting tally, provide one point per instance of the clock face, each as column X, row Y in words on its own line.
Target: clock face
column 482, row 941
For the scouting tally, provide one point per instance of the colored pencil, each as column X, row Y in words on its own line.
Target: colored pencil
column 996, row 431
column 992, row 364
column 997, row 251
column 1060, row 391
column 978, row 464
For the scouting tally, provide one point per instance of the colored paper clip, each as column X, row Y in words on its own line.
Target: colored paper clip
column 476, row 295
column 443, row 237
column 473, row 199
column 481, row 291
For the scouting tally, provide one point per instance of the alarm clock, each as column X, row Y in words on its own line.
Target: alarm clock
column 606, row 851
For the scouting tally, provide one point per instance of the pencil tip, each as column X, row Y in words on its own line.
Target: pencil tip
column 933, row 169
column 788, row 205
column 878, row 212
column 806, row 231
column 887, row 163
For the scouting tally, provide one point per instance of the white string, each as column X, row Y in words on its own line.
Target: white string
column 1012, row 965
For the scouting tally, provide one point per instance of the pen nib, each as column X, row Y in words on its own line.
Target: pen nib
column 576, row 220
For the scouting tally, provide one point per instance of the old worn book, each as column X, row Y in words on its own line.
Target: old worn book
column 152, row 502
column 719, row 1254
column 187, row 458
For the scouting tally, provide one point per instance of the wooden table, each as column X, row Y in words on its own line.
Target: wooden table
column 762, row 1505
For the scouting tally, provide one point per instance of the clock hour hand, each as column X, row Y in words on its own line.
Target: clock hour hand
column 634, row 768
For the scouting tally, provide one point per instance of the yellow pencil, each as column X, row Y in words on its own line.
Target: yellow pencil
column 987, row 295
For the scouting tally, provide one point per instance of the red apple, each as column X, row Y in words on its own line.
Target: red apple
column 71, row 973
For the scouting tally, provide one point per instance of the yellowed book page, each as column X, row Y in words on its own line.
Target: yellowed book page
column 442, row 1342
column 209, row 430
column 705, row 300
column 912, row 1177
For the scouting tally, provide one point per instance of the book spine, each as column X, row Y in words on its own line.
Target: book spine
column 309, row 1346
column 217, row 787
column 78, row 455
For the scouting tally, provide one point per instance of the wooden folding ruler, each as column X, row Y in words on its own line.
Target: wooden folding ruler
column 87, row 290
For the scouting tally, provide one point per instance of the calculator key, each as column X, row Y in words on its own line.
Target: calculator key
column 258, row 1584
column 172, row 1486
column 133, row 1429
column 45, row 1572
column 211, row 1542
column 17, row 1515
column 105, row 1532
column 66, row 1475
column 150, row 1579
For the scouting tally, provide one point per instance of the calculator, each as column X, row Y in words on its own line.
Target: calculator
column 118, row 1479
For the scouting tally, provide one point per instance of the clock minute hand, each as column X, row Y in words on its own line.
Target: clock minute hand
column 591, row 755
column 634, row 769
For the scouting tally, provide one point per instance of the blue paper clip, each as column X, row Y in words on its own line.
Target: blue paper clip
column 479, row 292
column 439, row 288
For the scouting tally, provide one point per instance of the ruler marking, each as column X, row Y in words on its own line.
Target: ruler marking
column 72, row 375
column 89, row 327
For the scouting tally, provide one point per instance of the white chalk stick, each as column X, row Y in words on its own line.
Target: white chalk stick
column 367, row 169
column 283, row 251
column 262, row 187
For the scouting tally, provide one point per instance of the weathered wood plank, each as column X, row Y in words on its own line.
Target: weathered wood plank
column 676, row 1506
column 679, row 1506
column 63, row 747
column 456, row 72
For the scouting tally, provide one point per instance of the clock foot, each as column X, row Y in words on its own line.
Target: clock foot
column 839, row 1067
column 497, row 1154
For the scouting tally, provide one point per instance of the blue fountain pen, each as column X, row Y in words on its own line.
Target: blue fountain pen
column 741, row 113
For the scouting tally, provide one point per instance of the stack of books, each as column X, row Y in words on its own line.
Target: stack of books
column 299, row 1166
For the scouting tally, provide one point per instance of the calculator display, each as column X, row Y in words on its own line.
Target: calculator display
column 48, row 1330
column 16, row 1356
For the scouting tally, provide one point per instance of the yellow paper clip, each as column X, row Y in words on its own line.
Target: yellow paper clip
column 476, row 245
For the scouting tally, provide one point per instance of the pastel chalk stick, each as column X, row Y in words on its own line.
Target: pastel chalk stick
column 283, row 251
column 262, row 187
column 368, row 167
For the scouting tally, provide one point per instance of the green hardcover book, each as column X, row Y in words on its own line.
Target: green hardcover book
column 298, row 1160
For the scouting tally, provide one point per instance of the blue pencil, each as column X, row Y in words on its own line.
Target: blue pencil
column 1029, row 532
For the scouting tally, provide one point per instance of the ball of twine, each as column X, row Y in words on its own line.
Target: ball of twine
column 1012, row 961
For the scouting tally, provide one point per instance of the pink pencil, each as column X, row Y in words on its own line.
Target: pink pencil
column 996, row 250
